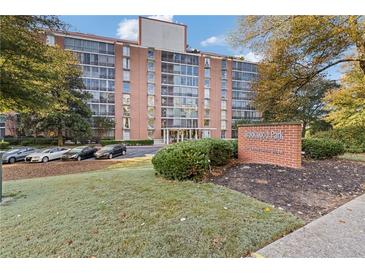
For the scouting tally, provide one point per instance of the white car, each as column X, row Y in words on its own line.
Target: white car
column 45, row 155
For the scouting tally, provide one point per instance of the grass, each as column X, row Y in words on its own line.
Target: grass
column 127, row 211
column 353, row 157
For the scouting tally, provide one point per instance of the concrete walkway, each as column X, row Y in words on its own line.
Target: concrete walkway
column 339, row 234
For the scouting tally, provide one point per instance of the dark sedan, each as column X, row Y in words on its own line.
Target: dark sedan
column 110, row 151
column 79, row 153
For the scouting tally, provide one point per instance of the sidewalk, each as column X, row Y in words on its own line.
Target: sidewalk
column 339, row 234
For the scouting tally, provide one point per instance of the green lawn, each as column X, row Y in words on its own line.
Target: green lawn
column 353, row 156
column 128, row 212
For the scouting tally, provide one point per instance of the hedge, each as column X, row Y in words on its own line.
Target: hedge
column 191, row 159
column 29, row 141
column 353, row 138
column 127, row 142
column 316, row 148
column 4, row 145
column 234, row 148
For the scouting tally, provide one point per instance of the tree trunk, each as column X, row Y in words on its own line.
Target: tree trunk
column 304, row 129
column 60, row 137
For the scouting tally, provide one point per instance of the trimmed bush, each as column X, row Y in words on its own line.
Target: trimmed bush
column 317, row 148
column 181, row 161
column 4, row 145
column 191, row 159
column 353, row 138
column 127, row 142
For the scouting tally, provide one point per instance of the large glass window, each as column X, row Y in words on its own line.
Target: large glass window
column 126, row 87
column 126, row 63
column 126, row 51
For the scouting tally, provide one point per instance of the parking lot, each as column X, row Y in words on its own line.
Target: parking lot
column 22, row 170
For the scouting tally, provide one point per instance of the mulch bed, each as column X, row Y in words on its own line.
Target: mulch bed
column 310, row 192
column 32, row 170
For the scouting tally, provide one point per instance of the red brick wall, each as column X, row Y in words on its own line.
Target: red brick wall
column 277, row 144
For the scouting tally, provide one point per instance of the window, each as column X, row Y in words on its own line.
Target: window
column 126, row 122
column 206, row 122
column 151, row 77
column 126, row 51
column 207, row 62
column 126, row 87
column 151, row 112
column 207, row 83
column 126, row 134
column 51, row 41
column 151, row 101
column 126, row 75
column 224, row 115
column 206, row 113
column 223, row 125
column 126, row 111
column 126, row 63
column 207, row 72
column 126, row 99
column 224, row 64
column 206, row 103
column 224, row 105
column 151, row 54
column 223, row 134
column 151, row 89
column 207, row 93
column 224, row 84
column 224, row 94
column 151, row 66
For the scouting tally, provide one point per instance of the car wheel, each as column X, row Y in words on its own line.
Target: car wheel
column 110, row 156
column 45, row 160
column 79, row 158
column 11, row 160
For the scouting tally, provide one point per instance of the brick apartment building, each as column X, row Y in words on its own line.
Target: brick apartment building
column 157, row 88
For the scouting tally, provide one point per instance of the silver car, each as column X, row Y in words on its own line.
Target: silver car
column 17, row 154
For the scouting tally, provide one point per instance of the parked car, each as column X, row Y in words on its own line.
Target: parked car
column 111, row 151
column 79, row 153
column 17, row 154
column 45, row 155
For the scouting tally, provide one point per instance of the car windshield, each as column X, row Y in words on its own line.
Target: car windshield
column 76, row 149
column 106, row 148
column 13, row 151
column 47, row 150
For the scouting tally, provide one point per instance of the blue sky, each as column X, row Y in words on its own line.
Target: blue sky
column 206, row 33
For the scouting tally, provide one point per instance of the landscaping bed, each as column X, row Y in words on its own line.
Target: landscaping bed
column 314, row 190
column 33, row 170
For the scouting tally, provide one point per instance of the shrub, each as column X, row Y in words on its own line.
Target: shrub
column 191, row 159
column 317, row 148
column 4, row 145
column 127, row 142
column 234, row 148
column 30, row 141
column 181, row 161
column 219, row 151
column 353, row 138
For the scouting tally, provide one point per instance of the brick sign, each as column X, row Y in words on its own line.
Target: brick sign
column 276, row 144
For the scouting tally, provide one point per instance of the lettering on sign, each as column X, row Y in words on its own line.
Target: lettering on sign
column 275, row 135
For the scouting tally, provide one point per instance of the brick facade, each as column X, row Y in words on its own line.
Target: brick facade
column 277, row 144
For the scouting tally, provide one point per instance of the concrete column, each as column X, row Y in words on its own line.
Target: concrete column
column 182, row 135
column 190, row 134
column 167, row 136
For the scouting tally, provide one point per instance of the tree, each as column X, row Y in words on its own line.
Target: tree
column 297, row 51
column 346, row 104
column 27, row 68
column 102, row 126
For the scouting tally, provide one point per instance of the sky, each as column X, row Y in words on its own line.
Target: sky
column 205, row 32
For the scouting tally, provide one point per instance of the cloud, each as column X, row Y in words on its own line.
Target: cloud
column 251, row 56
column 128, row 28
column 219, row 40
